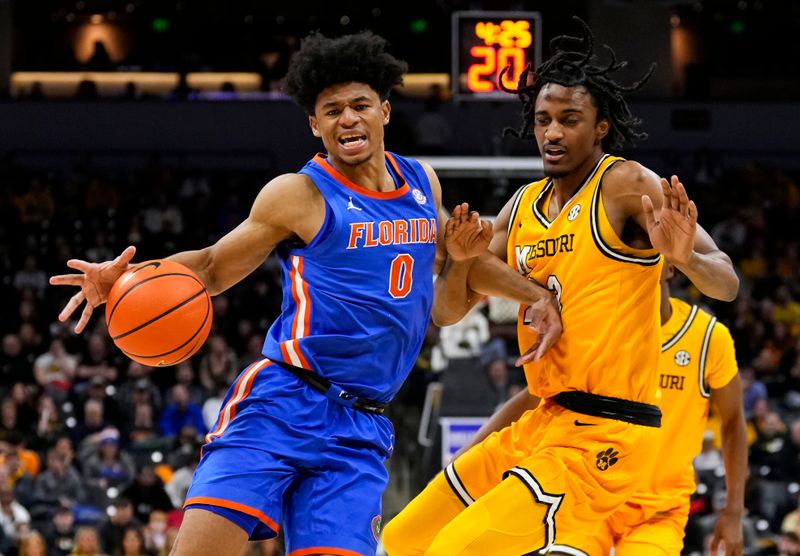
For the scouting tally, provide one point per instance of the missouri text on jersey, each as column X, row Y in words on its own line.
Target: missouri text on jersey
column 542, row 248
column 392, row 232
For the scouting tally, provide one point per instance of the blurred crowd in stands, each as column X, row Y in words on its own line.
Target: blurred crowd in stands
column 96, row 451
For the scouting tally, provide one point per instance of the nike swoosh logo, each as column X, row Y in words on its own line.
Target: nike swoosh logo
column 579, row 424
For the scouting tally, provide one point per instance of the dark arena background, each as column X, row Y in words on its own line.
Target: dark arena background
column 155, row 123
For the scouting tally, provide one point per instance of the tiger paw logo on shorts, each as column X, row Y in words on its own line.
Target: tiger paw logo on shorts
column 606, row 459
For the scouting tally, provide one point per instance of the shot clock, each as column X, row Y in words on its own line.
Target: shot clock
column 484, row 43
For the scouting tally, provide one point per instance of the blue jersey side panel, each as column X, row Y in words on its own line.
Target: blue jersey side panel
column 357, row 299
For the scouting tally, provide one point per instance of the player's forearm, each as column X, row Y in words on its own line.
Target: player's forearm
column 452, row 298
column 510, row 412
column 734, row 454
column 200, row 263
column 488, row 275
column 712, row 274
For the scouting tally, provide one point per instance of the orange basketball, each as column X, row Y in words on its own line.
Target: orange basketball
column 159, row 313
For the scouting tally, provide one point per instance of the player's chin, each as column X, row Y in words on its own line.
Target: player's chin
column 556, row 170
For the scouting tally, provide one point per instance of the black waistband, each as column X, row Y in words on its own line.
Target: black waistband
column 611, row 408
column 337, row 394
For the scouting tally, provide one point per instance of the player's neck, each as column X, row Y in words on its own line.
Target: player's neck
column 566, row 185
column 369, row 174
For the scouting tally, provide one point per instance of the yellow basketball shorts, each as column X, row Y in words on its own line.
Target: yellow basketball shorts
column 579, row 468
column 634, row 530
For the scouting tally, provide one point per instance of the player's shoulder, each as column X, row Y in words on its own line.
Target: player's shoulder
column 288, row 194
column 627, row 175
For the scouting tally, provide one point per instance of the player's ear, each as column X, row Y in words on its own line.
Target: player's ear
column 312, row 122
column 601, row 130
column 386, row 108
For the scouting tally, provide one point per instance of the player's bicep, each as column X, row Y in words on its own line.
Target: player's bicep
column 243, row 249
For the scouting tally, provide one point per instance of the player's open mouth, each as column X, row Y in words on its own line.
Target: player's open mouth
column 554, row 153
column 352, row 141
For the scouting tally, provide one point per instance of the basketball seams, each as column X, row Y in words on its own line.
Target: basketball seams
column 133, row 287
column 159, row 317
column 193, row 336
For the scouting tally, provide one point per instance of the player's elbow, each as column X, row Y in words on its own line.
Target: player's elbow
column 442, row 317
column 731, row 289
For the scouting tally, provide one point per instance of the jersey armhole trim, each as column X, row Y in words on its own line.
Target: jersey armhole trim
column 704, row 390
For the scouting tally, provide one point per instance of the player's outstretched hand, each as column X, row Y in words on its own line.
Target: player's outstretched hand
column 673, row 232
column 728, row 534
column 544, row 318
column 95, row 283
column 466, row 235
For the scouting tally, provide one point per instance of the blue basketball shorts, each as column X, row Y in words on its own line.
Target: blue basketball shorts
column 283, row 455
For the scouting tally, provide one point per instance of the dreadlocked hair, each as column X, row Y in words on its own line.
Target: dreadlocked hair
column 573, row 64
column 323, row 62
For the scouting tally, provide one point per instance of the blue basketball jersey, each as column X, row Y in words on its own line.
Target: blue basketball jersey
column 357, row 298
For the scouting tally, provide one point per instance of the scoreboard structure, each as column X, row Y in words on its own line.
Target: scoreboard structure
column 484, row 43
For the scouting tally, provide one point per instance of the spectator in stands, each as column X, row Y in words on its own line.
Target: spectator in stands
column 15, row 519
column 789, row 544
column 108, row 467
column 184, row 374
column 142, row 431
column 212, row 405
column 709, row 458
column 55, row 370
column 87, row 542
column 218, row 365
column 33, row 544
column 752, row 389
column 133, row 543
column 113, row 532
column 22, row 396
column 92, row 423
column 147, row 494
column 181, row 413
column 155, row 532
column 13, row 365
column 181, row 479
column 98, row 389
column 48, row 421
column 58, row 485
column 60, row 533
column 791, row 521
column 96, row 361
column 137, row 388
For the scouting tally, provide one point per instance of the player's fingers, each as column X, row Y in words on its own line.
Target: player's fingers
column 683, row 197
column 691, row 212
column 125, row 257
column 78, row 264
column 84, row 320
column 529, row 356
column 715, row 544
column 649, row 211
column 67, row 280
column 487, row 228
column 73, row 303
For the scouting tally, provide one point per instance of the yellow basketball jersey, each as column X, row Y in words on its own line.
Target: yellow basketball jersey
column 608, row 292
column 697, row 355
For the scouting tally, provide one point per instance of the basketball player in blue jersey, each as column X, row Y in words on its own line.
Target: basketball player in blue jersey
column 300, row 441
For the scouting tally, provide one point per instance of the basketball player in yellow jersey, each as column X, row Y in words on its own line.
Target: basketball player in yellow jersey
column 594, row 233
column 697, row 365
